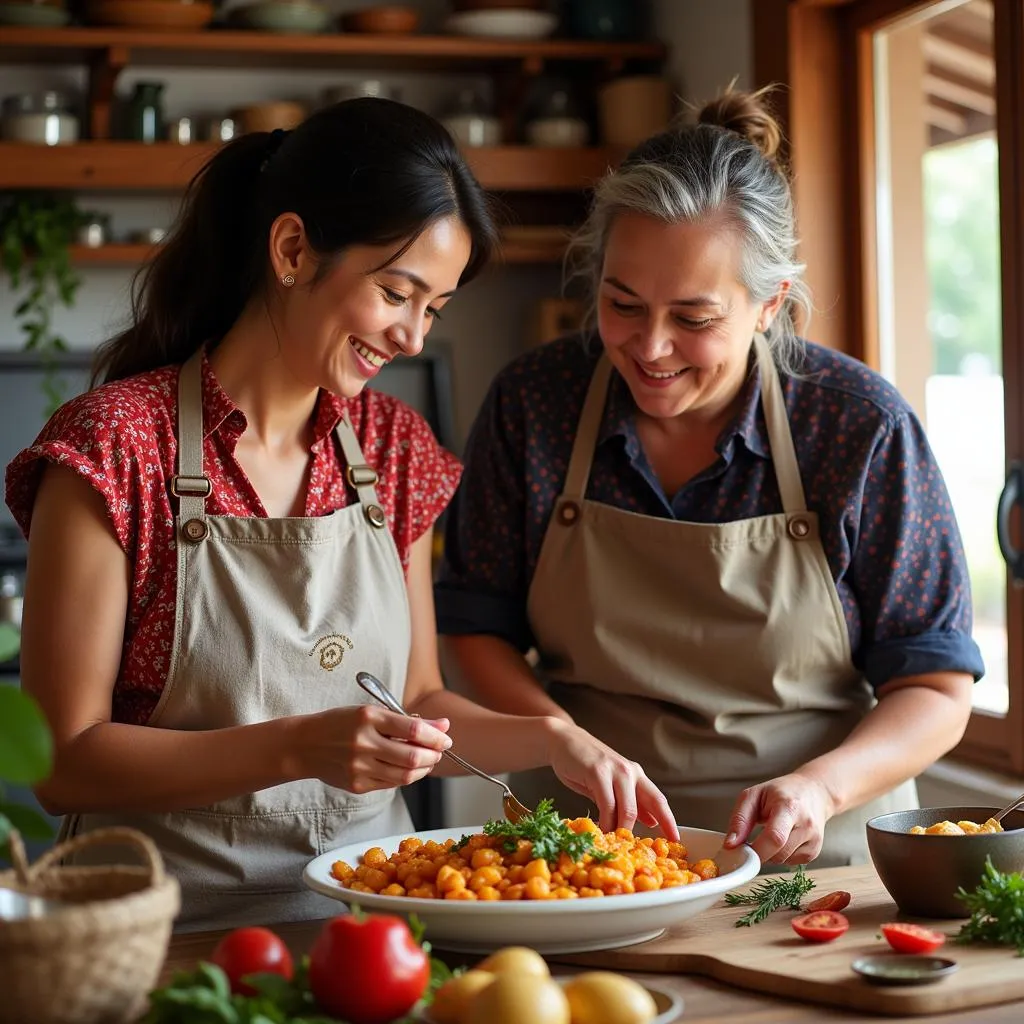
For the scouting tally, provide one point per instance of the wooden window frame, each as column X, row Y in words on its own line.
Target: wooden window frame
column 821, row 53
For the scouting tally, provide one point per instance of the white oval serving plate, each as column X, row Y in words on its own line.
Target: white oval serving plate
column 548, row 926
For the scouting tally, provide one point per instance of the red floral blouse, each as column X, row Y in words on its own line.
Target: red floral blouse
column 121, row 439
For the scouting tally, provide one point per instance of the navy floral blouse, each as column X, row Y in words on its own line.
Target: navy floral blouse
column 887, row 525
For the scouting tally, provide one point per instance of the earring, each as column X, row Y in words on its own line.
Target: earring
column 287, row 280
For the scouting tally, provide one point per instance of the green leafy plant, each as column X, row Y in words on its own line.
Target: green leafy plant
column 997, row 910
column 36, row 233
column 26, row 752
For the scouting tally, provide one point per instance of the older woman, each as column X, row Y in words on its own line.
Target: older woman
column 732, row 550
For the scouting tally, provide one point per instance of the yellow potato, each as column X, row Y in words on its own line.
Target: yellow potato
column 601, row 997
column 520, row 999
column 452, row 1000
column 516, row 960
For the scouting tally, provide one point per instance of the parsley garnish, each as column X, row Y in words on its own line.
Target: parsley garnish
column 549, row 834
column 780, row 893
column 997, row 909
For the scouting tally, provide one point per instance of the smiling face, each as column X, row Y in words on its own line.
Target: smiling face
column 675, row 319
column 339, row 332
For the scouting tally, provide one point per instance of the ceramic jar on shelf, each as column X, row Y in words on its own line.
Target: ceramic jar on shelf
column 42, row 118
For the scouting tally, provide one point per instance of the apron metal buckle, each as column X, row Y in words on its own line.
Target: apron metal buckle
column 191, row 486
column 361, row 476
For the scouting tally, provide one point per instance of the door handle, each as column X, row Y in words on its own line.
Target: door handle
column 1008, row 497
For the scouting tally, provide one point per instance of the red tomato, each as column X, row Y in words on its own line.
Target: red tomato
column 367, row 970
column 248, row 951
column 912, row 938
column 821, row 926
column 837, row 900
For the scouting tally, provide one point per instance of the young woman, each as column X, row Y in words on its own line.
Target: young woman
column 733, row 549
column 233, row 525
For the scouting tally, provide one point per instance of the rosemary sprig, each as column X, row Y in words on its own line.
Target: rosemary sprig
column 547, row 831
column 781, row 892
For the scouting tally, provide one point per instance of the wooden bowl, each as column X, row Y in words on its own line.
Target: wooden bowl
column 265, row 117
column 158, row 15
column 385, row 21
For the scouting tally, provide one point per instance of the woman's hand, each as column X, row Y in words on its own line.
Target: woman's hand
column 619, row 788
column 792, row 809
column 365, row 748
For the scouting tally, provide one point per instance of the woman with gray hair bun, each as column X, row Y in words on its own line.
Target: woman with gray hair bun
column 731, row 549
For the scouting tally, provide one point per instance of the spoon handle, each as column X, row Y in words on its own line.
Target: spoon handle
column 379, row 692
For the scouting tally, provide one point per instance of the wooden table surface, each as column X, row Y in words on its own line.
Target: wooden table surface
column 704, row 1002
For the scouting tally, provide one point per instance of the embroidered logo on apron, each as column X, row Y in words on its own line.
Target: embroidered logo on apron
column 331, row 649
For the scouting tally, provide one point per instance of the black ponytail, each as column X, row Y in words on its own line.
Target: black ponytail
column 363, row 172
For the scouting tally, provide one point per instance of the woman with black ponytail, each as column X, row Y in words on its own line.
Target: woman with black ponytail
column 232, row 525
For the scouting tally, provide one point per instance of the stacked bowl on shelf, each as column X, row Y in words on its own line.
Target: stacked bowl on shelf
column 34, row 13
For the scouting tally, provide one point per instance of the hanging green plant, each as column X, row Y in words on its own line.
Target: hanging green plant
column 36, row 233
column 26, row 757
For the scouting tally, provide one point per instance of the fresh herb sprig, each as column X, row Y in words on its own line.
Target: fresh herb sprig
column 547, row 831
column 997, row 909
column 782, row 892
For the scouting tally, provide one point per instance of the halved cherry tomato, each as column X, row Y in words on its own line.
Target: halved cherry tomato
column 248, row 951
column 837, row 900
column 912, row 938
column 821, row 926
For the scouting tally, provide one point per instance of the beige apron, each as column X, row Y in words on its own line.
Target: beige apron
column 272, row 618
column 715, row 655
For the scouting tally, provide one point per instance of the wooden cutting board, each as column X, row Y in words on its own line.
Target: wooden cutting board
column 770, row 958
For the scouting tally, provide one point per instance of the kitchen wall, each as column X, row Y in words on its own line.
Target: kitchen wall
column 710, row 43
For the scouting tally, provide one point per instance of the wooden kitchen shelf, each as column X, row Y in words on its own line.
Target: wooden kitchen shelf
column 519, row 245
column 226, row 48
column 115, row 254
column 169, row 167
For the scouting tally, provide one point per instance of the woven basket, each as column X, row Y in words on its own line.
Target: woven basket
column 95, row 960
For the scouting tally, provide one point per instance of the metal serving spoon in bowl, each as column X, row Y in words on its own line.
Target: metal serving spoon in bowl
column 514, row 810
column 1013, row 805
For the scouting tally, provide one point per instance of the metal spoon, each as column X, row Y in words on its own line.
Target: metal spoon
column 514, row 810
column 1015, row 803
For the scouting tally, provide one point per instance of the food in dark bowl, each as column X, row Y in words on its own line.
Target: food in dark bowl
column 923, row 873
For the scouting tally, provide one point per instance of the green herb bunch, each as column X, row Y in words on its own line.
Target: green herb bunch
column 997, row 910
column 547, row 831
column 783, row 892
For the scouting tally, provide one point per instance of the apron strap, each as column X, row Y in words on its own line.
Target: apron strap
column 780, row 437
column 190, row 486
column 586, row 432
column 360, row 476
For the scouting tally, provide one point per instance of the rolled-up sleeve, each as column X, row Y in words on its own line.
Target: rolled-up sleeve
column 482, row 585
column 908, row 568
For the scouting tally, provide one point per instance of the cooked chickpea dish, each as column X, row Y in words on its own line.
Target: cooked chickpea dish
column 957, row 828
column 484, row 869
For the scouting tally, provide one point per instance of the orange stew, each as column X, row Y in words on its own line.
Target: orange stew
column 484, row 870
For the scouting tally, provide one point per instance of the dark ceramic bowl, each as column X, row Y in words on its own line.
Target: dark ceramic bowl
column 923, row 873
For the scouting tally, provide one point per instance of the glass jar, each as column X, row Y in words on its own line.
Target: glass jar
column 471, row 121
column 146, row 112
column 43, row 119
